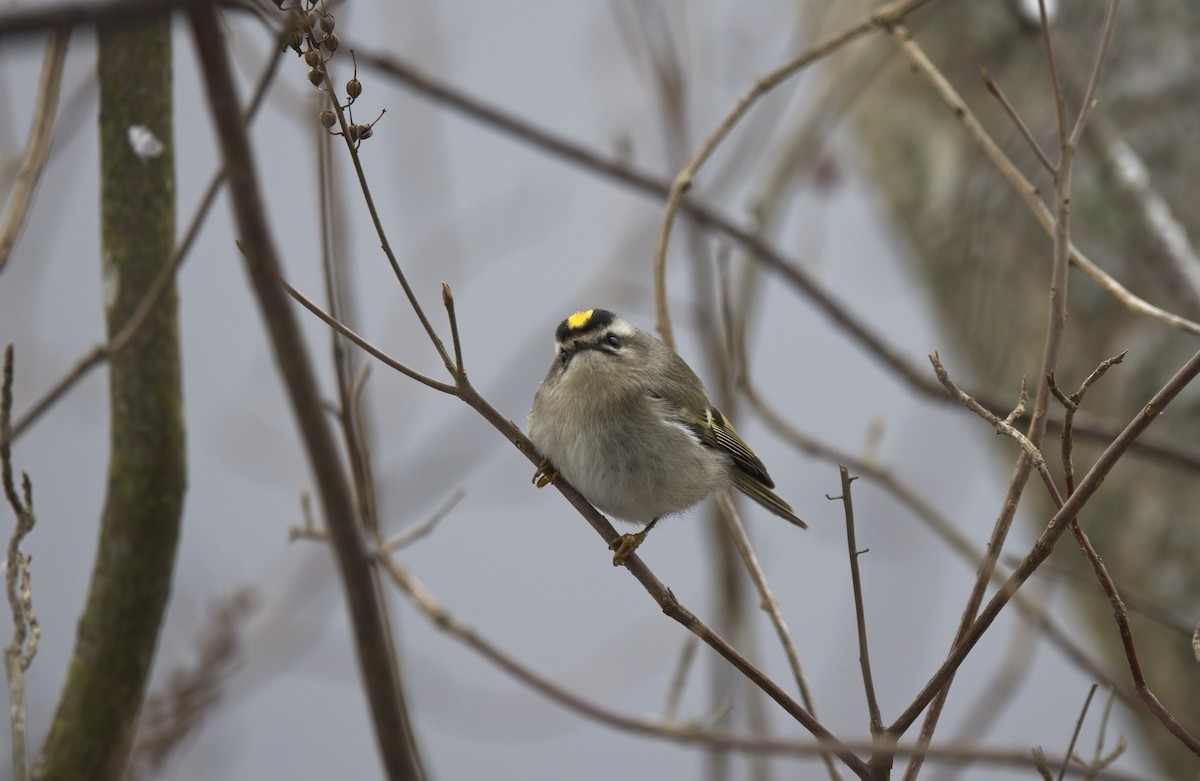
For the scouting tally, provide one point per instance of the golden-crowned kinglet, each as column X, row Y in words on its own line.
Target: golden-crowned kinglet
column 628, row 424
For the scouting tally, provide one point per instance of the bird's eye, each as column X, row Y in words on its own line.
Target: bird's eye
column 613, row 340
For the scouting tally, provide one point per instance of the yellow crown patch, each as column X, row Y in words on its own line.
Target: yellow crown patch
column 579, row 319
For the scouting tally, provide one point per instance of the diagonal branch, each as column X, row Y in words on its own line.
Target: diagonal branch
column 37, row 147
column 382, row 687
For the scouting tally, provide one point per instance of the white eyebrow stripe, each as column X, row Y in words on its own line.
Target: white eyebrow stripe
column 622, row 328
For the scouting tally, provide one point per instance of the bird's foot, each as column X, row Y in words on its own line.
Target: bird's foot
column 545, row 474
column 624, row 546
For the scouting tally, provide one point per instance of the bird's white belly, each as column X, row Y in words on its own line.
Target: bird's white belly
column 629, row 475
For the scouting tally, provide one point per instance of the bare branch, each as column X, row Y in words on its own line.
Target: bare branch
column 686, row 733
column 414, row 533
column 741, row 541
column 1050, row 536
column 1016, row 118
column 1107, row 28
column 37, row 146
column 1155, row 706
column 882, row 17
column 1002, row 426
column 373, row 646
column 1062, row 771
column 19, row 653
column 345, row 331
column 1060, row 104
column 448, row 302
column 864, row 656
column 683, row 667
column 948, row 531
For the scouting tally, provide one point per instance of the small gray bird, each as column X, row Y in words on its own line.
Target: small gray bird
column 628, row 424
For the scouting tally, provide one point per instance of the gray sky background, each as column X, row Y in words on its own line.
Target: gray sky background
column 524, row 240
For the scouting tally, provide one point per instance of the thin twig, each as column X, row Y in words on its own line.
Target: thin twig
column 1071, row 406
column 864, row 656
column 414, row 533
column 381, row 234
column 1002, row 426
column 19, row 653
column 990, row 84
column 380, row 355
column 1099, row 760
column 770, row 605
column 1062, row 770
column 887, row 15
column 882, row 757
column 37, row 146
column 679, row 678
column 448, row 302
column 1153, row 704
column 1060, row 104
column 1041, row 763
column 1107, row 29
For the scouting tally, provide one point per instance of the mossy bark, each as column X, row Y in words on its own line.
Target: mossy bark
column 131, row 579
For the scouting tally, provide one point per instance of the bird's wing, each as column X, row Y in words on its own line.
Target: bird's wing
column 715, row 431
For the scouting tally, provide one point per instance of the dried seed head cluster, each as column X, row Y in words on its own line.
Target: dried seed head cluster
column 311, row 35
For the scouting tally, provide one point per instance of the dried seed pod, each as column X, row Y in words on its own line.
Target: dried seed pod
column 352, row 132
column 313, row 57
column 294, row 41
column 316, row 76
column 354, row 88
column 327, row 23
column 365, row 132
column 328, row 118
column 331, row 42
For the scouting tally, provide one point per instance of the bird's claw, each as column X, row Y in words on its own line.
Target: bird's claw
column 625, row 545
column 545, row 474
